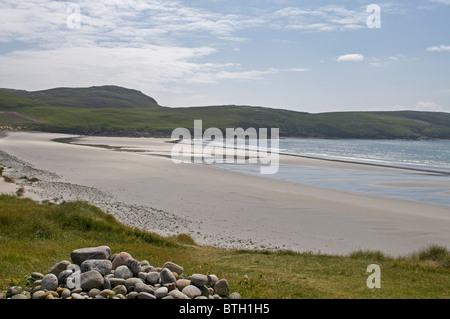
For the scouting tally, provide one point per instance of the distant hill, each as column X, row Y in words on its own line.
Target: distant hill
column 117, row 111
column 93, row 97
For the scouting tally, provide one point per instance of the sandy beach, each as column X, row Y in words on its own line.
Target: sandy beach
column 142, row 187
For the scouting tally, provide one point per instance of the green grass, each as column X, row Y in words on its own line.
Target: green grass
column 34, row 236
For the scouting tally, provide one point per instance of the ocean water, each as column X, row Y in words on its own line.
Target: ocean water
column 427, row 163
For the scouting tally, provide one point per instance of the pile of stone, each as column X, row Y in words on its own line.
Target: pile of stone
column 96, row 274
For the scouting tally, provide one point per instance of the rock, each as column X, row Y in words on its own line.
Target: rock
column 131, row 282
column 49, row 282
column 141, row 287
column 11, row 291
column 199, row 280
column 37, row 276
column 103, row 266
column 132, row 295
column 120, row 290
column 191, row 291
column 176, row 294
column 212, row 279
column 107, row 293
column 167, row 277
column 120, row 259
column 38, row 294
column 123, row 272
column 91, row 279
column 222, row 288
column 94, row 292
column 63, row 275
column 82, row 254
column 77, row 296
column 174, row 267
column 170, row 286
column 65, row 293
column 145, row 295
column 134, row 265
column 234, row 295
column 181, row 283
column 19, row 296
column 107, row 283
column 59, row 267
column 54, row 295
column 153, row 277
column 116, row 281
column 161, row 292
column 142, row 275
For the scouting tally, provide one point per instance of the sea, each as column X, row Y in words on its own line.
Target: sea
column 424, row 175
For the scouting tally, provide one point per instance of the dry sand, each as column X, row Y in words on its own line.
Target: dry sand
column 144, row 188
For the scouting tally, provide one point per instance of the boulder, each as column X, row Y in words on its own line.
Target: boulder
column 82, row 254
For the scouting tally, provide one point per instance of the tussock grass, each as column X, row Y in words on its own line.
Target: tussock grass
column 33, row 237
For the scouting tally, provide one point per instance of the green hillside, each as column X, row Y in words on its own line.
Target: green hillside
column 111, row 110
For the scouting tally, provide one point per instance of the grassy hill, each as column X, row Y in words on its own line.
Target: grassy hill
column 111, row 110
column 33, row 237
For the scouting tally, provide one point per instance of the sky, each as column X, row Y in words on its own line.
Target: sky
column 311, row 56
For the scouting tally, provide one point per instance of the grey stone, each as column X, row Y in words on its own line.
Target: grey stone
column 181, row 283
column 37, row 276
column 234, row 295
column 94, row 292
column 116, row 282
column 199, row 280
column 212, row 279
column 134, row 265
column 132, row 295
column 63, row 275
column 174, row 267
column 123, row 272
column 103, row 266
column 77, row 296
column 38, row 294
column 222, row 288
column 141, row 287
column 82, row 254
column 19, row 296
column 66, row 293
column 145, row 295
column 131, row 282
column 107, row 283
column 161, row 292
column 91, row 279
column 153, row 277
column 49, row 282
column 120, row 290
column 120, row 259
column 191, row 291
column 59, row 267
column 107, row 293
column 176, row 294
column 167, row 277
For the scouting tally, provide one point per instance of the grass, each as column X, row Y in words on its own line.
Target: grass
column 34, row 236
column 118, row 111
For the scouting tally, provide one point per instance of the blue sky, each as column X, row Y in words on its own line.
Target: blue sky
column 312, row 56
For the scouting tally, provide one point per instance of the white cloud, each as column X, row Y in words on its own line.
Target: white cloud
column 429, row 107
column 355, row 57
column 441, row 1
column 440, row 48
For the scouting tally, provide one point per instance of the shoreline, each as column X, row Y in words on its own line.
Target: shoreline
column 226, row 209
